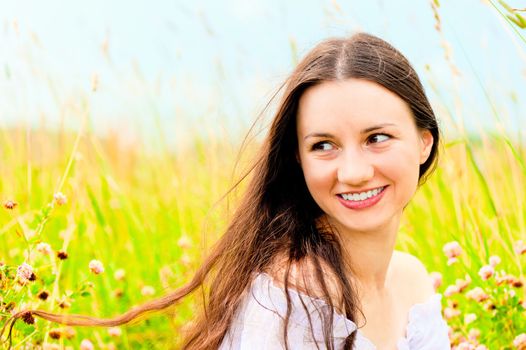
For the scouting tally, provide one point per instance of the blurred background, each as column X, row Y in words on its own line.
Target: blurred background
column 123, row 124
column 169, row 66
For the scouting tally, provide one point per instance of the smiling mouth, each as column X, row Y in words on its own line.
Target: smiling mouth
column 361, row 196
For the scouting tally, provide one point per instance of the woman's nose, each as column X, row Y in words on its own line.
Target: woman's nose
column 354, row 168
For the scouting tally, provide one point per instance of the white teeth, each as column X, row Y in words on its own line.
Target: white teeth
column 362, row 195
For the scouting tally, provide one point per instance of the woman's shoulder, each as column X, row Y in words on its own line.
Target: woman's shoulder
column 411, row 278
column 302, row 278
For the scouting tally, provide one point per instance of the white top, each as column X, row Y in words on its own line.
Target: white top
column 258, row 323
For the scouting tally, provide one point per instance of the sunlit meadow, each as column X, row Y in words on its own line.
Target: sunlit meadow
column 94, row 225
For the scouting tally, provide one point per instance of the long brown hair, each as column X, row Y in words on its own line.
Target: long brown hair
column 277, row 217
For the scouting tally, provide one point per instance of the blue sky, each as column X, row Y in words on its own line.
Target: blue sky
column 216, row 63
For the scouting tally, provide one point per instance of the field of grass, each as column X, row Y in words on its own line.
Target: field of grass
column 149, row 217
column 90, row 225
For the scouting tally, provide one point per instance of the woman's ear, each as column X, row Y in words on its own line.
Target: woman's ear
column 426, row 141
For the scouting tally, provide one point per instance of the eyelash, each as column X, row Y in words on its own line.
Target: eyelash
column 317, row 146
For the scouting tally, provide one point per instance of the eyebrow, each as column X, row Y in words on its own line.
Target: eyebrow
column 364, row 131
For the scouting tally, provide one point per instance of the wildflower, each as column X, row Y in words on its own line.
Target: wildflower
column 477, row 294
column 481, row 347
column 462, row 284
column 28, row 318
column 147, row 290
column 519, row 247
column 68, row 332
column 450, row 313
column 450, row 290
column 517, row 283
column 43, row 295
column 64, row 303
column 452, row 249
column 85, row 344
column 119, row 274
column 10, row 204
column 494, row 260
column 474, row 334
column 44, row 248
column 184, row 242
column 520, row 341
column 96, row 267
column 62, row 255
column 25, row 273
column 464, row 346
column 60, row 198
column 117, row 293
column 486, row 272
column 49, row 346
column 114, row 332
column 55, row 333
column 468, row 318
column 436, row 279
column 186, row 260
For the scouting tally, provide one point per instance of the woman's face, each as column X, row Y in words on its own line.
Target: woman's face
column 360, row 152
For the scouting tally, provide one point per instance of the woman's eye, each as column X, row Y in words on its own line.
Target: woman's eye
column 322, row 146
column 377, row 138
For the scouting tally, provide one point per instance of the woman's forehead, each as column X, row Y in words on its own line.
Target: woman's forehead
column 355, row 103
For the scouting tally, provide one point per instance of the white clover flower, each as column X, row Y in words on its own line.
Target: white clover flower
column 96, row 267
column 25, row 272
column 60, row 198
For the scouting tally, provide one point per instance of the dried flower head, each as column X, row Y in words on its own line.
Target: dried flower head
column 10, row 204
column 96, row 267
column 55, row 333
column 28, row 318
column 62, row 255
column 43, row 295
column 60, row 198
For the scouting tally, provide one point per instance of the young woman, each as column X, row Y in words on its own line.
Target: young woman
column 308, row 259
